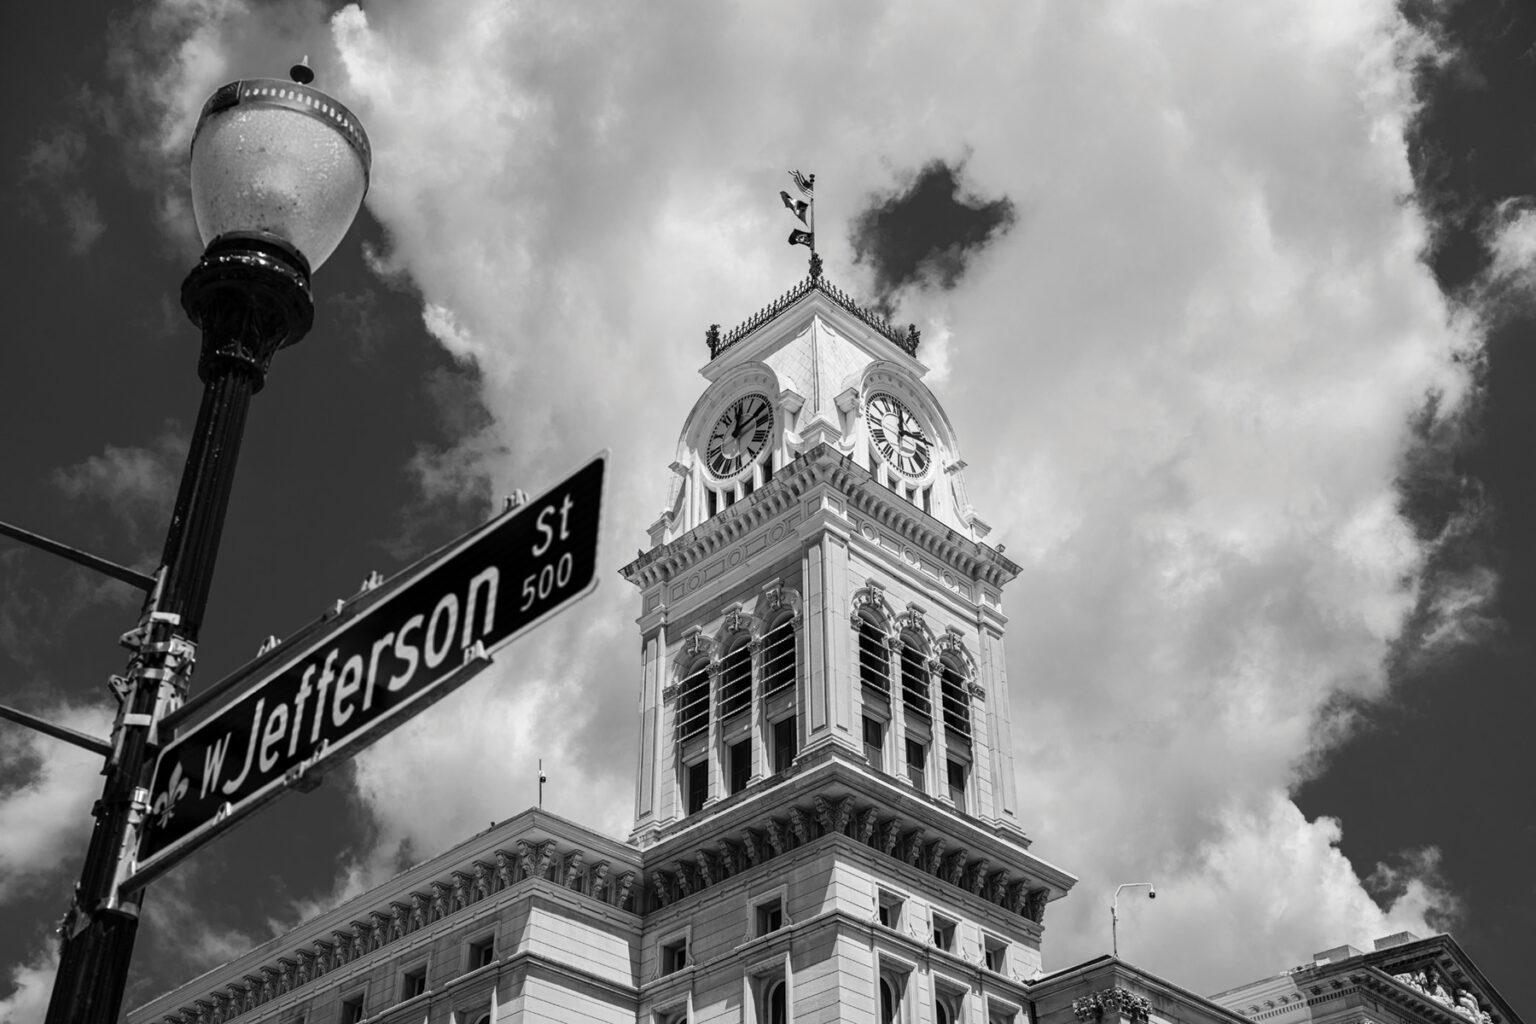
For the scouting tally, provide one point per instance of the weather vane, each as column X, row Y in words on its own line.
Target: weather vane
column 804, row 210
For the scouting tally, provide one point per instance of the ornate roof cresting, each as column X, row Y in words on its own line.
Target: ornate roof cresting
column 905, row 340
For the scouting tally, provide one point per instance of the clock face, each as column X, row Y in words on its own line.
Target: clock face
column 898, row 436
column 739, row 435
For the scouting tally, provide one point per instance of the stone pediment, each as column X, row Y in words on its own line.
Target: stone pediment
column 1436, row 979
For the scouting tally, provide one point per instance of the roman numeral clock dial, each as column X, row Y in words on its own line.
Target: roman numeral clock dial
column 898, row 436
column 739, row 435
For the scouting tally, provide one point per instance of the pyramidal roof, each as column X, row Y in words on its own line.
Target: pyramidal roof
column 719, row 343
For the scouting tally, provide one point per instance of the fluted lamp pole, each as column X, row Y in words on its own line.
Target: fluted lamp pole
column 279, row 171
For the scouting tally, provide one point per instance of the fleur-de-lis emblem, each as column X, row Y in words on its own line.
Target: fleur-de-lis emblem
column 165, row 803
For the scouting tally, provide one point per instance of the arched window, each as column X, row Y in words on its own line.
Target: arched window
column 890, row 1000
column 914, row 674
column 736, row 678
column 779, row 655
column 775, row 1003
column 874, row 662
column 693, row 701
column 957, row 698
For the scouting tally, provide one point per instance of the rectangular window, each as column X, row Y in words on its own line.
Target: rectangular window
column 746, row 486
column 770, row 916
column 890, row 909
column 741, row 765
column 482, row 953
column 674, row 956
column 957, row 773
column 994, row 954
column 785, row 740
column 917, row 757
column 413, row 983
column 351, row 1009
column 712, row 504
column 696, row 786
column 874, row 742
column 768, row 469
column 943, row 933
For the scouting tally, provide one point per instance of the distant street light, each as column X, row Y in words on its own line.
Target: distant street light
column 1114, row 912
column 279, row 171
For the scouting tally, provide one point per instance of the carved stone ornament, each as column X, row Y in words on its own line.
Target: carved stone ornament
column 1112, row 1001
column 800, row 825
column 913, row 619
column 626, row 882
column 1034, row 905
column 572, row 868
column 600, row 879
column 977, row 690
column 773, row 595
column 736, row 621
column 504, row 868
column 482, row 887
column 696, row 643
column 871, row 596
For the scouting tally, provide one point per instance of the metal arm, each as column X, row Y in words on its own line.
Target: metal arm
column 1114, row 912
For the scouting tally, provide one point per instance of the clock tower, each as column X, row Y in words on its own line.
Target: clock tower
column 824, row 704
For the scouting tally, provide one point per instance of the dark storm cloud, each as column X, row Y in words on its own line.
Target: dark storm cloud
column 927, row 233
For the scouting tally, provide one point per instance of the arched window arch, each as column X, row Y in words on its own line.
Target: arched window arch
column 779, row 654
column 736, row 676
column 775, row 1003
column 693, row 700
column 874, row 660
column 954, row 679
column 914, row 674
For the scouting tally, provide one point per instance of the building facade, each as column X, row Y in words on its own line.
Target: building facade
column 825, row 810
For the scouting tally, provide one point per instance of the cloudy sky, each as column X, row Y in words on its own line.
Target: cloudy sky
column 1230, row 305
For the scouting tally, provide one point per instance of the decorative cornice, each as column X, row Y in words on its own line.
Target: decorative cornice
column 822, row 465
column 383, row 919
column 1112, row 1000
column 906, row 341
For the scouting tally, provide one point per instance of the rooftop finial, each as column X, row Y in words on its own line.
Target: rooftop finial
column 302, row 72
column 815, row 266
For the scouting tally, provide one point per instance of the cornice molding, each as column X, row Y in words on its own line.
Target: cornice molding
column 822, row 465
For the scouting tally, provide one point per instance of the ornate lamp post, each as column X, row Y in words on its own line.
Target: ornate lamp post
column 279, row 171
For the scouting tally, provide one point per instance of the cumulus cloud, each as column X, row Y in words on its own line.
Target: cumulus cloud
column 137, row 483
column 1186, row 384
column 30, row 985
column 52, row 169
column 45, row 801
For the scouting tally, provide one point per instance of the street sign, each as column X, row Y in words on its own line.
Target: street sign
column 339, row 689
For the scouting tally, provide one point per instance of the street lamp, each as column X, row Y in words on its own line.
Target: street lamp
column 279, row 171
column 1114, row 912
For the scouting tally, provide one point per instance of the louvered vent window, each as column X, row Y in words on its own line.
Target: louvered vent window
column 874, row 665
column 693, row 702
column 736, row 679
column 957, row 701
column 779, row 656
column 914, row 676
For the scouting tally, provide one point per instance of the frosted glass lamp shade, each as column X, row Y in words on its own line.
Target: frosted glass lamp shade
column 278, row 158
